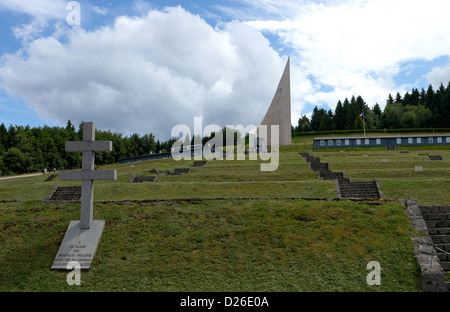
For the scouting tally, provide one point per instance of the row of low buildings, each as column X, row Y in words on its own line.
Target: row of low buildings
column 382, row 141
column 331, row 142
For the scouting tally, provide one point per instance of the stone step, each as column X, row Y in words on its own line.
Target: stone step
column 66, row 193
column 357, row 186
column 445, row 247
column 199, row 163
column 445, row 265
column 333, row 175
column 321, row 168
column 437, row 224
column 362, row 183
column 356, row 196
column 143, row 179
column 443, row 256
column 312, row 159
column 439, row 231
column 358, row 189
column 347, row 188
column 436, row 216
column 359, row 194
column 440, row 239
column 435, row 209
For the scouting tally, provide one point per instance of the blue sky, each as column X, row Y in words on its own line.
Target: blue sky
column 145, row 66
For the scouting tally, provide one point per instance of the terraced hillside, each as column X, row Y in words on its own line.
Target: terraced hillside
column 226, row 178
column 246, row 230
column 397, row 172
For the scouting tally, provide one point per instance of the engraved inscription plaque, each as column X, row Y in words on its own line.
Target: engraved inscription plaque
column 79, row 245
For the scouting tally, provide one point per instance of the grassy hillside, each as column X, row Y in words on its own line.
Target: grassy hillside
column 275, row 242
column 228, row 245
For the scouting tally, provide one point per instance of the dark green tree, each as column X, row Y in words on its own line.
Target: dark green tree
column 301, row 121
column 377, row 110
column 339, row 117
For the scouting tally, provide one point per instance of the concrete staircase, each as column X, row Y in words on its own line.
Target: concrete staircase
column 359, row 189
column 199, row 163
column 347, row 188
column 64, row 193
column 135, row 179
column 437, row 219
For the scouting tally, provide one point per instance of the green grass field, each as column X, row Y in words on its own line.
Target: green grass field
column 277, row 241
column 228, row 245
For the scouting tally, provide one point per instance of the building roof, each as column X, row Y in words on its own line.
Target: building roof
column 384, row 137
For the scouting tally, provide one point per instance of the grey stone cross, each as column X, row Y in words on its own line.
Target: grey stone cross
column 82, row 237
column 88, row 175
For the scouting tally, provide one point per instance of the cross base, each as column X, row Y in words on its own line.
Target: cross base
column 78, row 245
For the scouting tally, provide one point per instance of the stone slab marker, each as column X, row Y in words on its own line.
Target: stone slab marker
column 81, row 239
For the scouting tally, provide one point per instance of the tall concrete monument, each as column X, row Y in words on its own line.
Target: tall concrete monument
column 82, row 236
column 279, row 112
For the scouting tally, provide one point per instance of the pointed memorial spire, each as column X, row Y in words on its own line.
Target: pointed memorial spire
column 279, row 112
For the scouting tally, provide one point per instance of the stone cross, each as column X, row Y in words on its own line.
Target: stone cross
column 88, row 175
column 82, row 236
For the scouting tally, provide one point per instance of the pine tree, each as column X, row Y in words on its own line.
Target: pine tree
column 407, row 99
column 439, row 105
column 3, row 139
column 302, row 121
column 415, row 95
column 390, row 100
column 348, row 114
column 315, row 119
column 398, row 98
column 339, row 117
column 428, row 98
column 377, row 110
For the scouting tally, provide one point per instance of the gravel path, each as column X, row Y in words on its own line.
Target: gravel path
column 20, row 176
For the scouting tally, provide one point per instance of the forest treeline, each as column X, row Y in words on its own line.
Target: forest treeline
column 416, row 109
column 25, row 149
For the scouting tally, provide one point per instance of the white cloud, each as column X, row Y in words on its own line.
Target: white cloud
column 31, row 31
column 40, row 9
column 101, row 11
column 439, row 75
column 358, row 46
column 147, row 74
